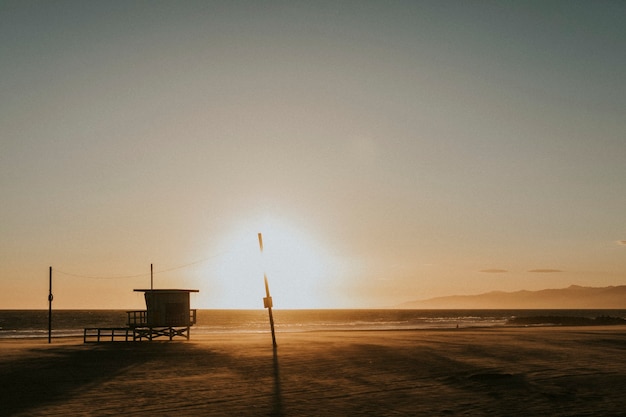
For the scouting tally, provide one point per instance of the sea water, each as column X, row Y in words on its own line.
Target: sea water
column 67, row 323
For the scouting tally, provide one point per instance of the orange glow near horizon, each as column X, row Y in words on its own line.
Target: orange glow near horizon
column 296, row 267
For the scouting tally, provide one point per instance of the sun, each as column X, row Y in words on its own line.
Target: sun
column 297, row 268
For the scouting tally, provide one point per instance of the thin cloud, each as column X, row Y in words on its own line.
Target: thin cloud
column 545, row 271
column 494, row 271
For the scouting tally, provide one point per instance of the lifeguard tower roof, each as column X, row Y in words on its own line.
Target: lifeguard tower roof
column 167, row 290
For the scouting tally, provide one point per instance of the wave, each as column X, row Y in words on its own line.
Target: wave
column 70, row 323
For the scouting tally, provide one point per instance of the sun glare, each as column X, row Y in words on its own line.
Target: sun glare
column 295, row 265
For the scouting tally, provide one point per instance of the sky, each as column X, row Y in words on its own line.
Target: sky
column 387, row 151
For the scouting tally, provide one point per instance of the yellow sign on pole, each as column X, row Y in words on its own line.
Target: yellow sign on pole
column 267, row 300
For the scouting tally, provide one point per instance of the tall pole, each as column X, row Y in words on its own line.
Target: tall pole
column 50, row 309
column 151, row 279
column 267, row 301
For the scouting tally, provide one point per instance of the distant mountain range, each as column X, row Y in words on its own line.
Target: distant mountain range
column 573, row 297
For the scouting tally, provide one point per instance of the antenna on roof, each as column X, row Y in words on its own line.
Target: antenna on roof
column 267, row 300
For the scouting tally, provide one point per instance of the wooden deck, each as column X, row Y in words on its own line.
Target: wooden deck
column 132, row 334
column 150, row 333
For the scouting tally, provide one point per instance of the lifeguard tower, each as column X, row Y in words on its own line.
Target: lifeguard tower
column 167, row 314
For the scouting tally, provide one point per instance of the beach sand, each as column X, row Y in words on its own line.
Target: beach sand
column 490, row 372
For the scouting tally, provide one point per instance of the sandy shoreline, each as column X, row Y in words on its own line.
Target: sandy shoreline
column 503, row 371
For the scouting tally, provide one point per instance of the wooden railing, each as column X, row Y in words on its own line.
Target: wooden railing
column 139, row 318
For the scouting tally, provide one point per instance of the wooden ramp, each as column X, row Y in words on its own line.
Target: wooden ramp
column 108, row 334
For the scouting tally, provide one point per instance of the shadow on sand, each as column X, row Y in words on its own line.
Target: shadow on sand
column 47, row 376
column 44, row 376
column 277, row 404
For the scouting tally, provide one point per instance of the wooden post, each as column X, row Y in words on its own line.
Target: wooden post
column 50, row 309
column 267, row 301
column 151, row 279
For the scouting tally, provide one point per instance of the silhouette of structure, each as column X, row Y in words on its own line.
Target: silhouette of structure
column 168, row 314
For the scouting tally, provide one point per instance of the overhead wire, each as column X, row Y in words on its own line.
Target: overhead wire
column 144, row 274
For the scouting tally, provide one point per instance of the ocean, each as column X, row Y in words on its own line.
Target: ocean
column 68, row 323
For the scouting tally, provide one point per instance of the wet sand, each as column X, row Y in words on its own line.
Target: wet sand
column 556, row 371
